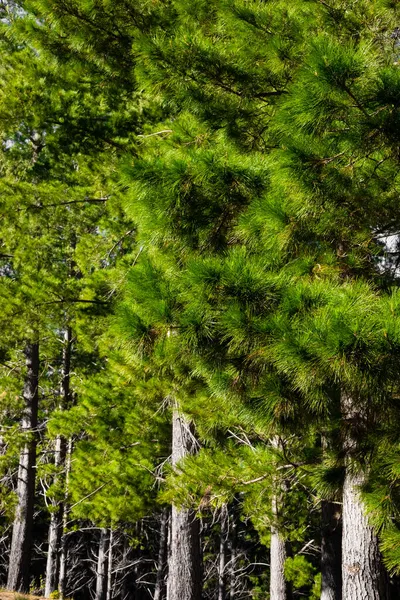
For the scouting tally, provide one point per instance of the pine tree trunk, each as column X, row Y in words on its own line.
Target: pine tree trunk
column 184, row 568
column 53, row 563
column 277, row 587
column 101, row 574
column 56, row 517
column 222, row 553
column 20, row 555
column 331, row 552
column 160, row 589
column 110, row 566
column 363, row 574
column 64, row 539
column 232, row 550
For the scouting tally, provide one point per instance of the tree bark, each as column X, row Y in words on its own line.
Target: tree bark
column 101, row 573
column 222, row 553
column 56, row 516
column 184, row 568
column 160, row 589
column 232, row 548
column 110, row 567
column 363, row 574
column 277, row 588
column 64, row 539
column 331, row 551
column 20, row 555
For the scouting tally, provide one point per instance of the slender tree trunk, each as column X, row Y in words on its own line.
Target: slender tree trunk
column 277, row 587
column 56, row 517
column 137, row 569
column 184, row 569
column 222, row 553
column 20, row 555
column 232, row 559
column 363, row 574
column 160, row 590
column 64, row 539
column 127, row 582
column 101, row 575
column 110, row 566
column 331, row 551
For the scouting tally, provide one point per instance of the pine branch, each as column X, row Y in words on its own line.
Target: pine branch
column 85, row 200
column 156, row 133
column 90, row 495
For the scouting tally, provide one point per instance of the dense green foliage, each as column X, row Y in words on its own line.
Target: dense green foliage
column 206, row 195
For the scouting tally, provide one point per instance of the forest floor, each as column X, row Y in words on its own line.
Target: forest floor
column 18, row 596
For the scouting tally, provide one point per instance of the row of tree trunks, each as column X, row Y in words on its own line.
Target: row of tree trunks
column 350, row 559
column 21, row 543
column 351, row 562
column 356, row 548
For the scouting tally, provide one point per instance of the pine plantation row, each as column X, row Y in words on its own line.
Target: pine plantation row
column 199, row 299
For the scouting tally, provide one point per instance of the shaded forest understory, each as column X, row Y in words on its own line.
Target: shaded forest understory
column 199, row 299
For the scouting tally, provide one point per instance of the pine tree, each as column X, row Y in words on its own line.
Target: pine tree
column 54, row 198
column 258, row 166
column 319, row 239
column 199, row 190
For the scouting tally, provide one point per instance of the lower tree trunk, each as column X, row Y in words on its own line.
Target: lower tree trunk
column 53, row 562
column 110, row 567
column 233, row 553
column 363, row 574
column 184, row 568
column 277, row 588
column 101, row 573
column 62, row 580
column 160, row 590
column 331, row 552
column 20, row 554
column 222, row 553
column 56, row 517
